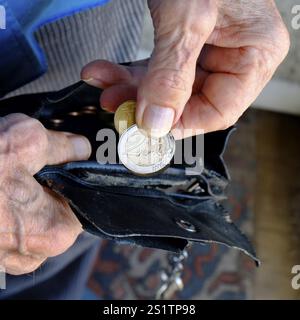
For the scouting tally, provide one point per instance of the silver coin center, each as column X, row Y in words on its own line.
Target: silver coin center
column 145, row 151
column 143, row 154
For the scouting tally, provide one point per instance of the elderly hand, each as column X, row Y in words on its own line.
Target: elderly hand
column 34, row 222
column 211, row 60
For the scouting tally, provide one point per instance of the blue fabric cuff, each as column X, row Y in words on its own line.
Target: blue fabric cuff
column 21, row 58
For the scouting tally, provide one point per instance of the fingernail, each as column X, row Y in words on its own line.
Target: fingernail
column 87, row 79
column 82, row 146
column 158, row 121
column 105, row 108
column 93, row 82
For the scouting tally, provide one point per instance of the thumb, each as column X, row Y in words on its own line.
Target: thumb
column 181, row 30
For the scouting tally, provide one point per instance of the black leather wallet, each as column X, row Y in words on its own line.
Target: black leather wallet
column 165, row 211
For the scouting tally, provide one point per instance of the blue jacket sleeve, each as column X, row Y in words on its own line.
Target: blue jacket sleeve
column 21, row 59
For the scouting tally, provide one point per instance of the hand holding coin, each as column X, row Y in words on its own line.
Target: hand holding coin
column 140, row 153
column 209, row 63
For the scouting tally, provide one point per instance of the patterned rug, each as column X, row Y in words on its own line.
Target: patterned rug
column 211, row 271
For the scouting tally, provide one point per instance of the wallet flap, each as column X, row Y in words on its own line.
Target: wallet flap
column 129, row 213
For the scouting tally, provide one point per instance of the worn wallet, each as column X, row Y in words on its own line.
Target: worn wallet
column 165, row 211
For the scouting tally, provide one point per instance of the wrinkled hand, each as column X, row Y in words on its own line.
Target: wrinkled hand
column 211, row 60
column 34, row 222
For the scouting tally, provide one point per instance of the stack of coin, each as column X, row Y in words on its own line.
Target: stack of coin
column 140, row 153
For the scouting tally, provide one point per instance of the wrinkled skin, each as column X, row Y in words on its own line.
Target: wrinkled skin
column 211, row 60
column 35, row 223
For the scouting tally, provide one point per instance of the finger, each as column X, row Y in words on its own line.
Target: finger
column 56, row 227
column 12, row 119
column 103, row 74
column 227, row 60
column 17, row 264
column 119, row 82
column 168, row 84
column 115, row 95
column 28, row 143
column 39, row 223
column 201, row 76
column 64, row 147
column 223, row 98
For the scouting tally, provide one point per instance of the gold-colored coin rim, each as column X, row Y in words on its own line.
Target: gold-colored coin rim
column 118, row 117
